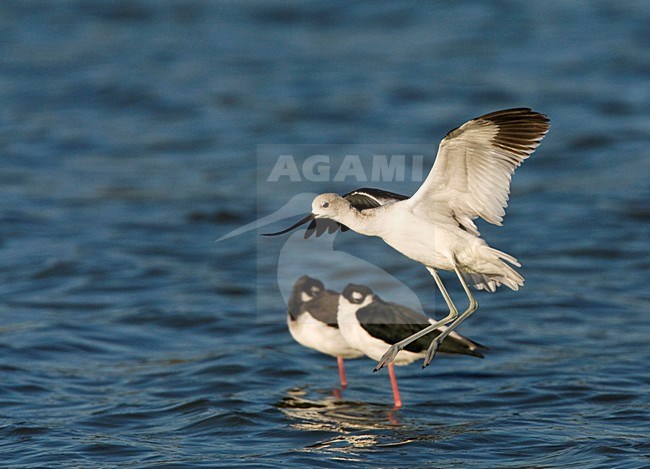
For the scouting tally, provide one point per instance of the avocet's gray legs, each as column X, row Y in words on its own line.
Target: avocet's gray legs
column 473, row 306
column 392, row 352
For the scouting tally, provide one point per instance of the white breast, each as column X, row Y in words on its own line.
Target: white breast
column 311, row 333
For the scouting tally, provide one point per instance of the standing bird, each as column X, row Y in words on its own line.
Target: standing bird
column 373, row 325
column 311, row 318
column 470, row 178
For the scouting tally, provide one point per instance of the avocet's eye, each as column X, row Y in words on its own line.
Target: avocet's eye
column 325, row 204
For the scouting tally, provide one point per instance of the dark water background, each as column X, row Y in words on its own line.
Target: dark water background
column 128, row 136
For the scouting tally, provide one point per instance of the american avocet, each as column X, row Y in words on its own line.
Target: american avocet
column 359, row 199
column 470, row 179
column 311, row 318
column 373, row 325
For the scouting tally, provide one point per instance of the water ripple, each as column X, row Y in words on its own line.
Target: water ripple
column 128, row 337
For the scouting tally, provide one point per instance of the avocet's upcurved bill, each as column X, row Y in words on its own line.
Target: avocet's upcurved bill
column 470, row 179
column 311, row 318
column 360, row 199
column 372, row 325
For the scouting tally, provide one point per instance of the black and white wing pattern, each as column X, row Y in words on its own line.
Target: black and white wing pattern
column 475, row 162
column 361, row 199
column 323, row 308
column 309, row 295
column 392, row 322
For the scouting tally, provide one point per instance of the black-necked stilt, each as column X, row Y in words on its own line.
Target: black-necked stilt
column 373, row 325
column 311, row 318
column 470, row 179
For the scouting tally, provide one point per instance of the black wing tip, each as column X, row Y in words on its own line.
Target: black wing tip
column 520, row 130
column 461, row 348
column 475, row 349
column 520, row 118
column 525, row 115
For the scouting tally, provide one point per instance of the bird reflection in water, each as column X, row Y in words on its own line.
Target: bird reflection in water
column 359, row 426
column 331, row 413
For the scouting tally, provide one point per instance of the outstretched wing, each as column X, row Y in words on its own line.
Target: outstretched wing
column 475, row 162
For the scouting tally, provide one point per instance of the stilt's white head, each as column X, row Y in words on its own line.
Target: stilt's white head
column 358, row 295
column 304, row 290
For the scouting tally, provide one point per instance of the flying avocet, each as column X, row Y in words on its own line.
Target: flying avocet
column 470, row 178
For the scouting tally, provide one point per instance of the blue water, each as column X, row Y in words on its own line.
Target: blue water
column 129, row 141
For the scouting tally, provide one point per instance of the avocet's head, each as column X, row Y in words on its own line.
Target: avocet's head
column 358, row 295
column 304, row 290
column 329, row 206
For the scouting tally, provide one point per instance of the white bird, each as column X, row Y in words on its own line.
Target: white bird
column 372, row 325
column 335, row 267
column 311, row 318
column 360, row 199
column 470, row 178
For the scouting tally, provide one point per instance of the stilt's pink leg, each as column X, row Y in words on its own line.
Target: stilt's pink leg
column 393, row 382
column 344, row 380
